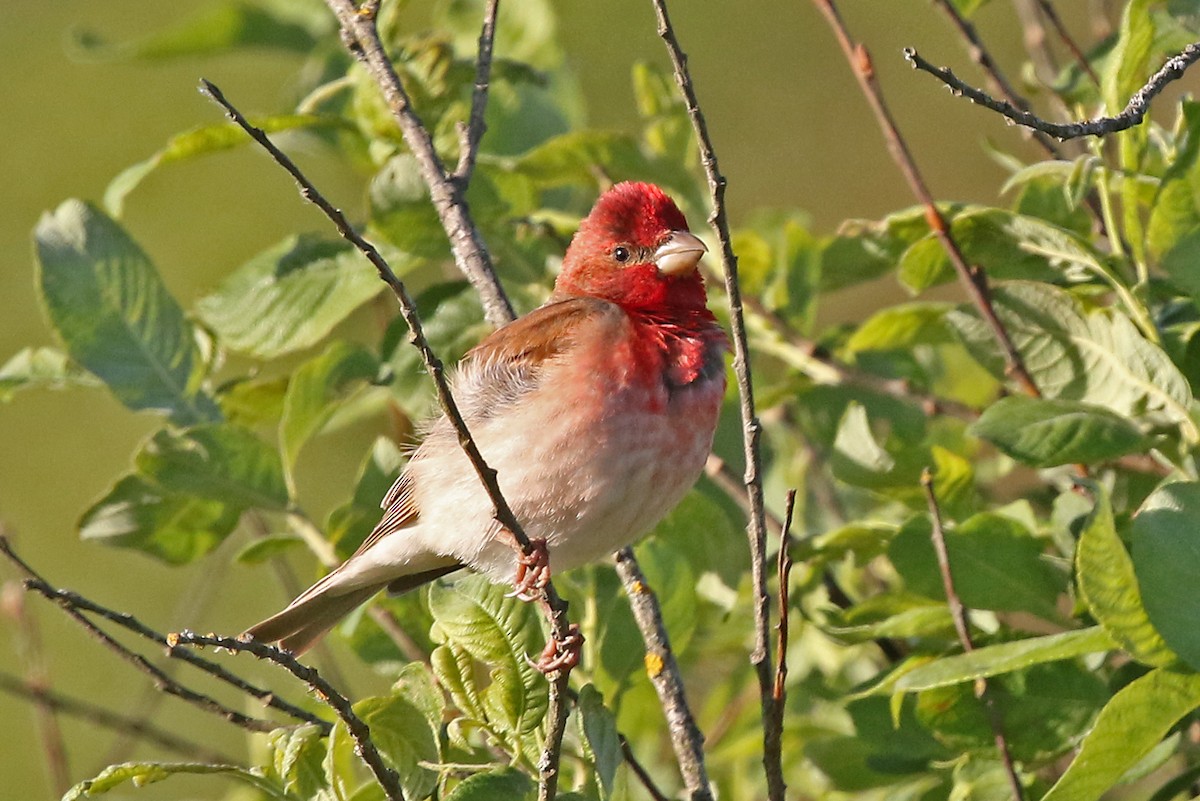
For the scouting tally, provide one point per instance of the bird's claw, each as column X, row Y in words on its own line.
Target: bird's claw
column 561, row 654
column 533, row 572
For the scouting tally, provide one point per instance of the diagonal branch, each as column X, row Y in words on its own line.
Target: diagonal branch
column 471, row 132
column 962, row 626
column 756, row 530
column 555, row 606
column 74, row 605
column 1133, row 114
column 686, row 738
column 388, row 779
column 1051, row 14
column 973, row 279
column 107, row 719
column 980, row 55
column 447, row 191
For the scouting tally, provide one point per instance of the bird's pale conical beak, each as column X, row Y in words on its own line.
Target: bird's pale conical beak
column 680, row 254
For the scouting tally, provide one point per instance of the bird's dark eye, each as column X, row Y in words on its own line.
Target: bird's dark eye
column 621, row 253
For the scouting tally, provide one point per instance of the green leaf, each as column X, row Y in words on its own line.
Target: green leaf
column 904, row 325
column 1127, row 66
column 996, row 564
column 1105, row 576
column 1128, row 727
column 219, row 461
column 260, row 550
column 477, row 618
column 41, row 367
column 297, row 755
column 994, row 239
column 598, row 729
column 175, row 527
column 1006, row 657
column 143, row 773
column 290, row 296
column 1048, row 433
column 202, row 141
column 217, row 28
column 1097, row 357
column 506, row 783
column 403, row 736
column 857, row 457
column 115, row 315
column 571, row 158
column 316, row 390
column 1165, row 558
column 402, row 212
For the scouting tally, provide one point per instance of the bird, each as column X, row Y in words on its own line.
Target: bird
column 597, row 411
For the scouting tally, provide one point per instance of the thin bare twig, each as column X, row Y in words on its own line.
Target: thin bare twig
column 973, row 279
column 445, row 190
column 107, row 719
column 388, row 779
column 74, row 605
column 686, row 738
column 773, row 726
column 1056, row 22
column 1133, row 114
column 471, row 132
column 756, row 529
column 1001, row 86
column 556, row 607
column 961, row 625
column 37, row 680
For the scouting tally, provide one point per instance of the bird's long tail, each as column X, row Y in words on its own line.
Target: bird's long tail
column 322, row 605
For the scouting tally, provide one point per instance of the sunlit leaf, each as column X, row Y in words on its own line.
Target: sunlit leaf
column 1164, row 557
column 41, row 368
column 1105, row 575
column 218, row 461
column 290, row 296
column 506, row 783
column 115, row 315
column 143, row 773
column 1047, row 433
column 1128, row 727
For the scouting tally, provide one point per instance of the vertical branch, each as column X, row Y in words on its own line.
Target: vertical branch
column 773, row 726
column 973, row 279
column 686, row 738
column 471, row 132
column 961, row 625
column 37, row 680
column 756, row 531
column 446, row 190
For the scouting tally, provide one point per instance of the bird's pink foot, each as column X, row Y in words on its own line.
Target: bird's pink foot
column 533, row 571
column 562, row 654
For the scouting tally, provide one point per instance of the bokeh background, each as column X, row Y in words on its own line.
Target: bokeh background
column 789, row 125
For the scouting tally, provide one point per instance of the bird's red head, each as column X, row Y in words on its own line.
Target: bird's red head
column 634, row 249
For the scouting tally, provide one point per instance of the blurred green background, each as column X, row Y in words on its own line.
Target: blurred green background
column 789, row 124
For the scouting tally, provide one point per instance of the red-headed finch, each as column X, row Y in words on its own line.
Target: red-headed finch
column 597, row 411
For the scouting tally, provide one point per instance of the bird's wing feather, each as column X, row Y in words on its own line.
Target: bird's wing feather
column 497, row 372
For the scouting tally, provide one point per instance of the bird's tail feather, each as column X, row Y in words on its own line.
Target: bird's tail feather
column 319, row 607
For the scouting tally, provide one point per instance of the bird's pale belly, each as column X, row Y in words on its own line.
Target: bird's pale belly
column 587, row 485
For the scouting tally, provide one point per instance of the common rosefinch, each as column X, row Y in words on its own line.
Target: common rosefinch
column 597, row 411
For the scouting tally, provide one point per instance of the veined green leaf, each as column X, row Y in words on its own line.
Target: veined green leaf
column 143, row 773
column 297, row 757
column 598, row 730
column 475, row 616
column 1006, row 657
column 1048, row 433
column 1128, row 727
column 904, row 325
column 1098, row 357
column 506, row 783
column 115, row 315
column 220, row 461
column 1106, row 580
column 404, row 738
column 290, row 296
column 1165, row 560
column 176, row 527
